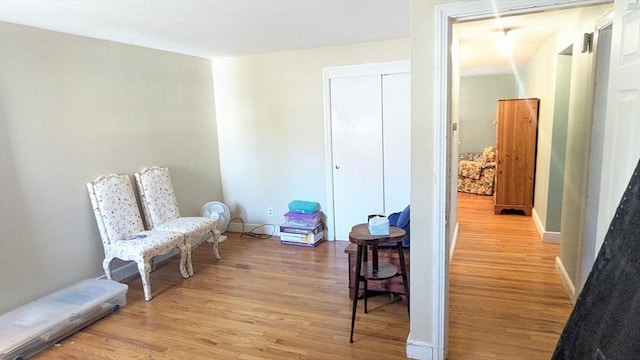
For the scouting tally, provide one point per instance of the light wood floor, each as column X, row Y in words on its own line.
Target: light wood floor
column 264, row 300
column 505, row 298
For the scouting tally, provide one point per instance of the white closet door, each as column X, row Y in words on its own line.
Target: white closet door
column 396, row 129
column 356, row 121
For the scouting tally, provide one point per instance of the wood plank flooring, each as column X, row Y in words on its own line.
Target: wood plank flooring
column 265, row 300
column 505, row 299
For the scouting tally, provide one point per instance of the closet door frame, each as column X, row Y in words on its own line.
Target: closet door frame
column 336, row 72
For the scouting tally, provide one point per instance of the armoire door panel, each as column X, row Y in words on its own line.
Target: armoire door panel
column 517, row 121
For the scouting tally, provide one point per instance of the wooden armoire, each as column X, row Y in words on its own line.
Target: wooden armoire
column 516, row 137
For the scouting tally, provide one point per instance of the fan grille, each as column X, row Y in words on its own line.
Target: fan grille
column 219, row 212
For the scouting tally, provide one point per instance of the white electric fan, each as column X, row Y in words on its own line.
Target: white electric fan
column 220, row 213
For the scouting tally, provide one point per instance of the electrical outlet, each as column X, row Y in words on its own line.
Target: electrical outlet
column 270, row 211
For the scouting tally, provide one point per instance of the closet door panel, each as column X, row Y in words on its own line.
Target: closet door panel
column 356, row 121
column 396, row 141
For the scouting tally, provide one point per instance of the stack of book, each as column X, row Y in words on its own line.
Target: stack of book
column 302, row 229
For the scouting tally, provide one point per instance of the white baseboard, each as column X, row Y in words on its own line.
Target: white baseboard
column 123, row 272
column 566, row 281
column 419, row 350
column 454, row 240
column 209, row 239
column 537, row 222
column 266, row 229
column 552, row 237
column 131, row 268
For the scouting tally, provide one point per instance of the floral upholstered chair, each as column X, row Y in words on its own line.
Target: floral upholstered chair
column 161, row 212
column 476, row 172
column 122, row 232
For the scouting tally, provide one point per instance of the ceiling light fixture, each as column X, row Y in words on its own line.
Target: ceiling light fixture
column 505, row 43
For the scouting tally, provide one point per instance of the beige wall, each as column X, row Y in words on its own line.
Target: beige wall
column 478, row 97
column 72, row 108
column 538, row 77
column 535, row 82
column 271, row 123
column 423, row 179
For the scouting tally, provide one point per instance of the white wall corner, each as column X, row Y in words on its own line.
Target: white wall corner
column 566, row 281
column 419, row 350
column 551, row 237
column 454, row 240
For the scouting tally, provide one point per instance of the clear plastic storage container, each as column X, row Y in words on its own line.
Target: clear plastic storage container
column 32, row 328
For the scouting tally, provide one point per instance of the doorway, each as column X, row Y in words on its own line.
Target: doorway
column 596, row 151
column 433, row 117
column 558, row 146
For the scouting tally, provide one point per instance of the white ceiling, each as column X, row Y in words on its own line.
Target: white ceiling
column 479, row 39
column 223, row 28
column 218, row 28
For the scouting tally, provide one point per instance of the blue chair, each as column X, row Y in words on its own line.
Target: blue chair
column 401, row 220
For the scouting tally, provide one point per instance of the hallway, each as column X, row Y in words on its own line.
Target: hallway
column 505, row 298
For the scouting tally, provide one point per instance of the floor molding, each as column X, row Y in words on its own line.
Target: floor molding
column 537, row 222
column 265, row 229
column 551, row 237
column 566, row 280
column 419, row 350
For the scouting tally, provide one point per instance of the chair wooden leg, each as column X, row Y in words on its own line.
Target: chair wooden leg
column 186, row 267
column 215, row 235
column 106, row 265
column 143, row 269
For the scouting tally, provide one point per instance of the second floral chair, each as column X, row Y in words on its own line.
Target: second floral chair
column 160, row 208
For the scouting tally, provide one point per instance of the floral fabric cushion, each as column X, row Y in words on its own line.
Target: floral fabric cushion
column 482, row 185
column 116, row 208
column 476, row 172
column 193, row 226
column 489, row 154
column 469, row 169
column 157, row 196
column 470, row 157
column 151, row 243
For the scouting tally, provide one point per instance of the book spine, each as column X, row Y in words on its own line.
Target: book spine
column 303, row 238
column 304, row 231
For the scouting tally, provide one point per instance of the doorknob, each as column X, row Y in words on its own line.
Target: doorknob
column 337, row 167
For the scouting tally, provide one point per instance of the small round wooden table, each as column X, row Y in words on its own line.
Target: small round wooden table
column 375, row 270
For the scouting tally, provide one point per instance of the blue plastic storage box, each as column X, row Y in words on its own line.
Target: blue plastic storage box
column 303, row 207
